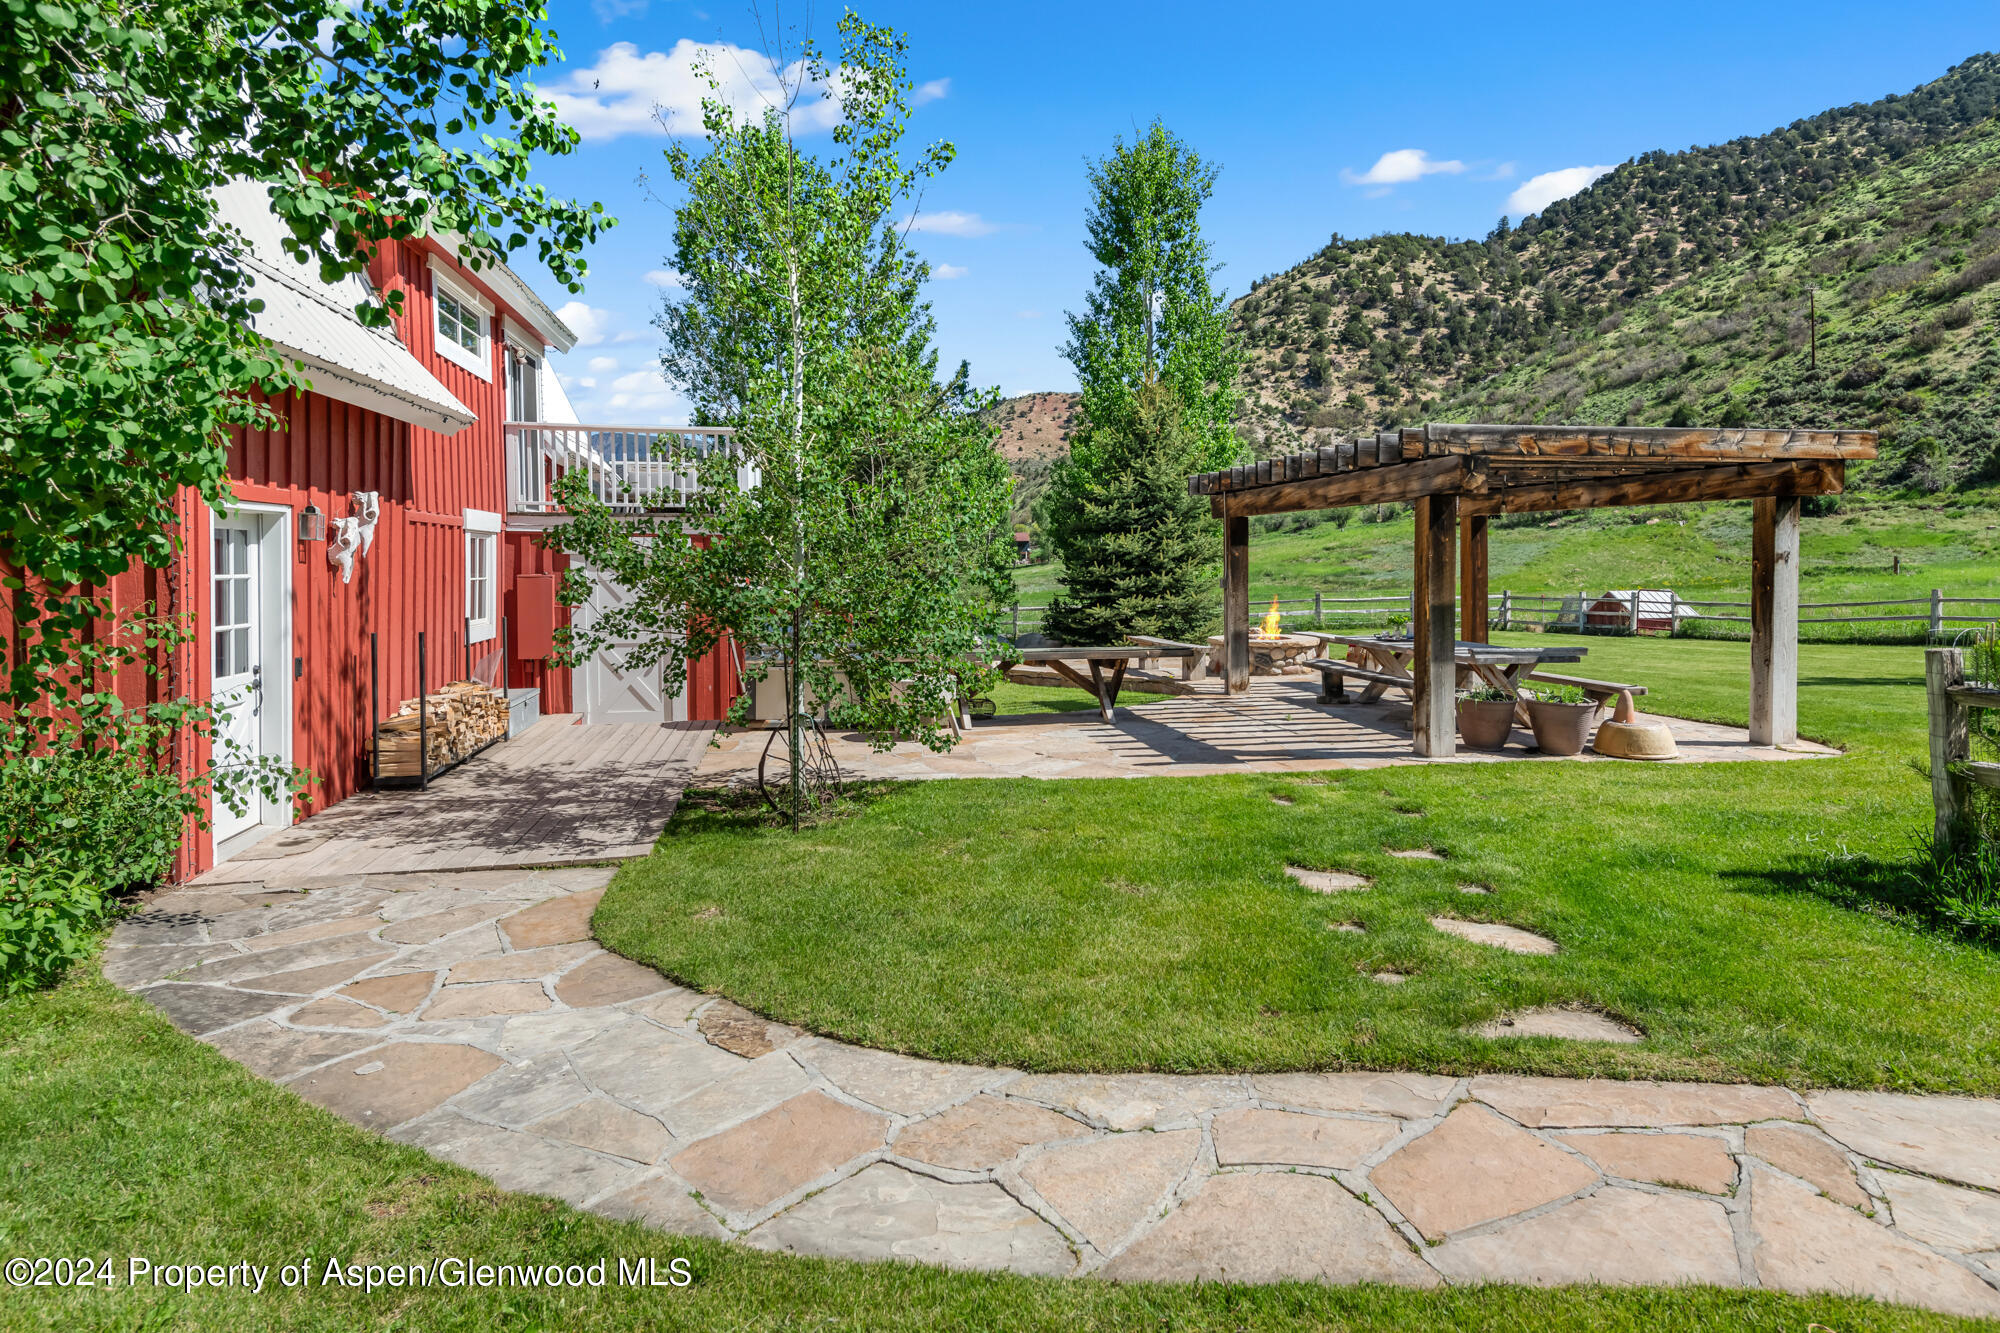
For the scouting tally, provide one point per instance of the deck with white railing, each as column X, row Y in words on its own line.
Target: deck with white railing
column 633, row 469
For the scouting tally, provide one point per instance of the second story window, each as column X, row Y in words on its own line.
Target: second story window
column 464, row 325
column 458, row 323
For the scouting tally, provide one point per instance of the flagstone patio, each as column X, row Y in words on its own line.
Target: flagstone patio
column 1277, row 726
column 471, row 1014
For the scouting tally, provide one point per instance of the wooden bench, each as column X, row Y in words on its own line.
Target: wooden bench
column 1333, row 678
column 1601, row 692
column 1194, row 657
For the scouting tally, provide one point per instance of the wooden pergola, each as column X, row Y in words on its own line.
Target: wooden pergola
column 1457, row 477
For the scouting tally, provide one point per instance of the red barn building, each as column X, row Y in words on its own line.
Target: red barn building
column 400, row 449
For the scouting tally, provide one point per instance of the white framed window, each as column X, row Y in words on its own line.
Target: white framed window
column 482, row 574
column 464, row 326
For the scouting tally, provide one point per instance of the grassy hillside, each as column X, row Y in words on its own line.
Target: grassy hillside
column 1901, row 268
column 1384, row 329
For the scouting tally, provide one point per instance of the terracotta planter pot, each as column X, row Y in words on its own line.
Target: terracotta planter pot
column 1485, row 724
column 1561, row 728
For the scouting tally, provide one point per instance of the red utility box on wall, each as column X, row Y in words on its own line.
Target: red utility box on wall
column 534, row 616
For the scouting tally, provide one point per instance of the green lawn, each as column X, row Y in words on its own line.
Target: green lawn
column 1149, row 925
column 120, row 1137
column 1702, row 551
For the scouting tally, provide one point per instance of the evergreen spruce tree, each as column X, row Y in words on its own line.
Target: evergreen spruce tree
column 1134, row 544
column 1157, row 366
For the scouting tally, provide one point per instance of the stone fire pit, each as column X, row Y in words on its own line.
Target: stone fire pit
column 1270, row 654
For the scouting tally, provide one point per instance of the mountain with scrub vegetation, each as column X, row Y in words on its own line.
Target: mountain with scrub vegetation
column 1839, row 271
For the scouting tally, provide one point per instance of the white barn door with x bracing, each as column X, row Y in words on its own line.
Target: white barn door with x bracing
column 611, row 692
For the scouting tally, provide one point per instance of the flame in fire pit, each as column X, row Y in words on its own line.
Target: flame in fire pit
column 1272, row 626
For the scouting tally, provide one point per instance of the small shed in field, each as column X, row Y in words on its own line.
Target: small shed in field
column 1657, row 609
column 1457, row 476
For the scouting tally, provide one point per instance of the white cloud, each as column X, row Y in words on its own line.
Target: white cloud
column 1504, row 171
column 638, row 381
column 603, row 365
column 949, row 271
column 665, row 277
column 587, row 322
column 949, row 223
column 1402, row 166
column 660, row 92
column 629, row 336
column 1538, row 192
column 932, row 91
column 610, row 10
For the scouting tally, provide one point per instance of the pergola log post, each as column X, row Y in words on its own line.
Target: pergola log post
column 1472, row 577
column 1236, row 602
column 1434, row 699
column 1774, row 621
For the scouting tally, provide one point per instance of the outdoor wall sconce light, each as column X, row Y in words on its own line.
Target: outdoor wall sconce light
column 312, row 524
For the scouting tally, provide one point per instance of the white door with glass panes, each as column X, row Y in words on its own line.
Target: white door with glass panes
column 236, row 647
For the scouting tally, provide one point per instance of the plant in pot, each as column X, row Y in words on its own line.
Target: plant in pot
column 1561, row 716
column 1485, row 717
column 1399, row 625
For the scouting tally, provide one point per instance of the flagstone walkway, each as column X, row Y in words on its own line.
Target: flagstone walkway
column 471, row 1014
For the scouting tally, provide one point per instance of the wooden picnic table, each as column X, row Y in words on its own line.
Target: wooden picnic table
column 1113, row 661
column 1383, row 662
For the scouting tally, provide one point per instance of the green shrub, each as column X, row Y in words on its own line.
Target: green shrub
column 49, row 916
column 111, row 814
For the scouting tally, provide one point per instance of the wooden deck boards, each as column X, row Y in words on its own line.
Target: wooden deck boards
column 561, row 793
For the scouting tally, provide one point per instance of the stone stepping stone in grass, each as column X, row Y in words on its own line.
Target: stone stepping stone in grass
column 1551, row 1021
column 1511, row 938
column 1475, row 888
column 1281, row 800
column 1347, row 927
column 1415, row 853
column 1329, row 881
column 1390, row 978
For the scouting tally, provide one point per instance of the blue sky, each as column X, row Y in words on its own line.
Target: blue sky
column 1324, row 118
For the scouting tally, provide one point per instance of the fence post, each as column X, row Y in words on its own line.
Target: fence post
column 1950, row 741
column 1635, row 612
column 1319, row 617
column 1506, row 608
column 1017, row 622
column 1937, row 613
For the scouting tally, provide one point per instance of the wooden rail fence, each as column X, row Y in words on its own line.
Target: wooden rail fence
column 1954, row 772
column 1938, row 615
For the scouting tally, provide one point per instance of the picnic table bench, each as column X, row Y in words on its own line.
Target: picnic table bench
column 1383, row 662
column 1107, row 666
column 1600, row 692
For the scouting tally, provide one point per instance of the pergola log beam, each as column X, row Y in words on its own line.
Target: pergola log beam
column 1472, row 575
column 1236, row 602
column 1774, row 621
column 1393, row 484
column 1742, row 481
column 1434, row 697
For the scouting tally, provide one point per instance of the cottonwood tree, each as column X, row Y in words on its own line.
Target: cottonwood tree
column 856, row 556
column 1152, row 317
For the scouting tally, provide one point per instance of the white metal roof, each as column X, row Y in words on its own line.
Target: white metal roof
column 314, row 322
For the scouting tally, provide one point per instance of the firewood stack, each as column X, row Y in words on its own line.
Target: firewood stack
column 460, row 717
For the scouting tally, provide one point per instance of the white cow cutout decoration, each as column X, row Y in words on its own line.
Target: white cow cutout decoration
column 341, row 547
column 368, row 508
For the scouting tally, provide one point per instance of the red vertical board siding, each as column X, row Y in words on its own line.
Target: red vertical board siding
column 411, row 581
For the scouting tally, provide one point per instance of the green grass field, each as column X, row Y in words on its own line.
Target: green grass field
column 1700, row 551
column 1150, row 925
column 123, row 1137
